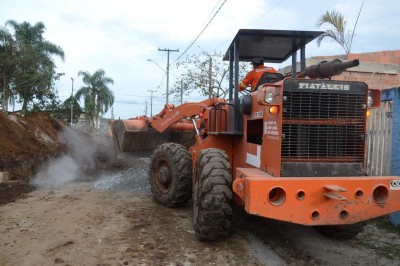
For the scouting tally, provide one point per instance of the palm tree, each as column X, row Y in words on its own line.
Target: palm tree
column 97, row 95
column 339, row 32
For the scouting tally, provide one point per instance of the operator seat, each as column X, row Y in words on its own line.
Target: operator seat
column 269, row 78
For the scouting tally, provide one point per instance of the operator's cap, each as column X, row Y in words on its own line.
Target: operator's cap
column 257, row 60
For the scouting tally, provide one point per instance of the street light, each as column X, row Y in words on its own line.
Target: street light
column 151, row 60
column 166, row 73
column 72, row 101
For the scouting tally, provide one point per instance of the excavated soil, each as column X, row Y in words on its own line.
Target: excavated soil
column 26, row 142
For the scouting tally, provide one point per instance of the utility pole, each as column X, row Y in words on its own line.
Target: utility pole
column 168, row 51
column 72, row 101
column 151, row 102
column 145, row 109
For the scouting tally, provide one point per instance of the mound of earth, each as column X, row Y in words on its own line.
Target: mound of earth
column 25, row 142
column 30, row 144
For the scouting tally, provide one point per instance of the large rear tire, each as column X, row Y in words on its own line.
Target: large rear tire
column 170, row 175
column 347, row 231
column 212, row 195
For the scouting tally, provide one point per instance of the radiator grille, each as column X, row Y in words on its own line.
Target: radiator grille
column 316, row 142
column 323, row 125
column 315, row 105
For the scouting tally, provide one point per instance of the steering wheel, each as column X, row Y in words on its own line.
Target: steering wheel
column 245, row 91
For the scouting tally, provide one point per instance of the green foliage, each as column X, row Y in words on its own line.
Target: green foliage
column 97, row 95
column 205, row 74
column 58, row 110
column 338, row 32
column 66, row 109
column 27, row 68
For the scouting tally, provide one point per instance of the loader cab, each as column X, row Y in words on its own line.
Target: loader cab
column 256, row 117
column 274, row 46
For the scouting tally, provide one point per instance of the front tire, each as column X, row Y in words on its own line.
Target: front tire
column 212, row 195
column 343, row 232
column 170, row 175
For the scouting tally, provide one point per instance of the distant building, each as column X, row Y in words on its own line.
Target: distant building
column 379, row 70
column 86, row 124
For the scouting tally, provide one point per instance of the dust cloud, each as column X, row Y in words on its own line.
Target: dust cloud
column 57, row 172
column 82, row 157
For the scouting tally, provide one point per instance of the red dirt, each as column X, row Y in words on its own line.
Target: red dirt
column 28, row 143
column 25, row 142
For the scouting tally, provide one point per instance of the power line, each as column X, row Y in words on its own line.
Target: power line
column 255, row 20
column 191, row 44
column 260, row 17
column 212, row 11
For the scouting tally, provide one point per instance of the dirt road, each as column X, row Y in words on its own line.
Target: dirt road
column 114, row 221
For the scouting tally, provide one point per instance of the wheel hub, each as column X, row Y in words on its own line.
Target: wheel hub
column 164, row 176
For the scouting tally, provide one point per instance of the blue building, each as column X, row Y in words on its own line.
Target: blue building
column 393, row 95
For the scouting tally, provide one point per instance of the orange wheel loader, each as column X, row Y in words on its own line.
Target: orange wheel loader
column 292, row 150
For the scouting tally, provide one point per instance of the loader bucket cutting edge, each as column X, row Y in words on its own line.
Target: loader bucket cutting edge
column 136, row 135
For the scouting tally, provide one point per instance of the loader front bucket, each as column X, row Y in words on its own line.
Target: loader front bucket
column 136, row 135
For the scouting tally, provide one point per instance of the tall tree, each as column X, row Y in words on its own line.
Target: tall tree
column 97, row 95
column 31, row 64
column 35, row 73
column 7, row 66
column 339, row 31
column 205, row 74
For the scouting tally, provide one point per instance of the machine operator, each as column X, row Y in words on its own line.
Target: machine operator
column 252, row 78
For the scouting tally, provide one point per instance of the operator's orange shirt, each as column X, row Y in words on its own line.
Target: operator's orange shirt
column 252, row 78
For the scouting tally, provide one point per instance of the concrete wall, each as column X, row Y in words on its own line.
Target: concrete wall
column 383, row 57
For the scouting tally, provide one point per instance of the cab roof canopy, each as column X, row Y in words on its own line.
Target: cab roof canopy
column 275, row 46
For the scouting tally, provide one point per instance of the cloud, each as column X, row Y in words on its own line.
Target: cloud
column 129, row 102
column 120, row 35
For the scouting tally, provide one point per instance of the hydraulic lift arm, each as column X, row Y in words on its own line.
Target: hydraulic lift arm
column 171, row 114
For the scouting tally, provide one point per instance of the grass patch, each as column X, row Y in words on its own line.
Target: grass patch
column 381, row 237
column 385, row 225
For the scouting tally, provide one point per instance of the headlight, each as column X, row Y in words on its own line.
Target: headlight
column 269, row 97
column 370, row 101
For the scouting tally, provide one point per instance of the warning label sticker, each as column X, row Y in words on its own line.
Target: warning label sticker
column 395, row 185
column 271, row 130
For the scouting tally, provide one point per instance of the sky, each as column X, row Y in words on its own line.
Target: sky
column 120, row 35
